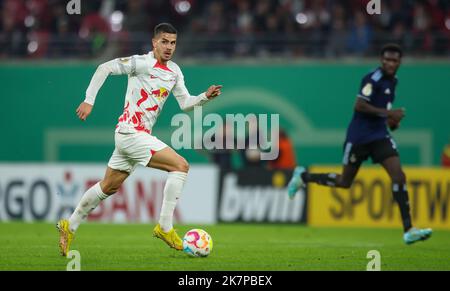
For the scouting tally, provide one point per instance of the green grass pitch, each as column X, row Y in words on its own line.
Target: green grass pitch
column 238, row 247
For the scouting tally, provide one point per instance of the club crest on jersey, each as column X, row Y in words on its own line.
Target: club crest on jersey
column 388, row 91
column 367, row 90
column 160, row 93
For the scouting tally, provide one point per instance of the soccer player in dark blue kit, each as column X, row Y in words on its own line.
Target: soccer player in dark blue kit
column 368, row 136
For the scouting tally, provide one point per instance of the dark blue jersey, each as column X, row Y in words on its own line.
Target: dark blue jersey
column 379, row 91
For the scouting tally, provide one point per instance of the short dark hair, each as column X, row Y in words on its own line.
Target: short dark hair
column 392, row 47
column 164, row 28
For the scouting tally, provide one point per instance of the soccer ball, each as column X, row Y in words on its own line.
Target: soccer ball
column 197, row 243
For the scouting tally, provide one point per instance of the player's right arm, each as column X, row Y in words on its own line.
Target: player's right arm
column 120, row 66
column 365, row 107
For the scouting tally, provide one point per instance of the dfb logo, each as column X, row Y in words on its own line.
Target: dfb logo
column 374, row 7
column 375, row 263
column 73, row 7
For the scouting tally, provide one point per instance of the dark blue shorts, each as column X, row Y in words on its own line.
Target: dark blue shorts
column 378, row 150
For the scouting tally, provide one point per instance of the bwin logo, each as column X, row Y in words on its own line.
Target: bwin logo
column 73, row 7
column 374, row 7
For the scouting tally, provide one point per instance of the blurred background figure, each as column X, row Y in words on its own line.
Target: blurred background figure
column 286, row 158
column 12, row 32
column 360, row 35
column 136, row 23
column 251, row 154
column 94, row 31
column 338, row 33
column 446, row 156
column 222, row 157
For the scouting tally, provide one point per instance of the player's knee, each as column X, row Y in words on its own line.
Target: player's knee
column 343, row 183
column 182, row 166
column 346, row 184
column 399, row 178
column 108, row 187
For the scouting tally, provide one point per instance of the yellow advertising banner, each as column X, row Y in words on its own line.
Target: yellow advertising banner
column 369, row 202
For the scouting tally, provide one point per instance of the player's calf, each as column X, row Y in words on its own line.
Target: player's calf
column 327, row 179
column 182, row 166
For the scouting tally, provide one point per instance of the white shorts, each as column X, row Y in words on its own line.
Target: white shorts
column 133, row 149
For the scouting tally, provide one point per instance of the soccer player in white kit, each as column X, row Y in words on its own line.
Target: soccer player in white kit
column 151, row 78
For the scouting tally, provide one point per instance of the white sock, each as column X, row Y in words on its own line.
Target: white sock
column 91, row 198
column 172, row 192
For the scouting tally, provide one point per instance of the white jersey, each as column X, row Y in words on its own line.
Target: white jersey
column 149, row 85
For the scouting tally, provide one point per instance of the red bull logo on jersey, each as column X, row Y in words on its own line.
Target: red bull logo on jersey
column 160, row 93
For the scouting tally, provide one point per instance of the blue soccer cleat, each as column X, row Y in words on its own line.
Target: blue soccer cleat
column 414, row 234
column 296, row 182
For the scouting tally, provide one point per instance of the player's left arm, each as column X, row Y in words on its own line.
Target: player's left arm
column 186, row 101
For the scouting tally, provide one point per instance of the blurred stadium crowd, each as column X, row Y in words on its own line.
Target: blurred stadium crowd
column 222, row 29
